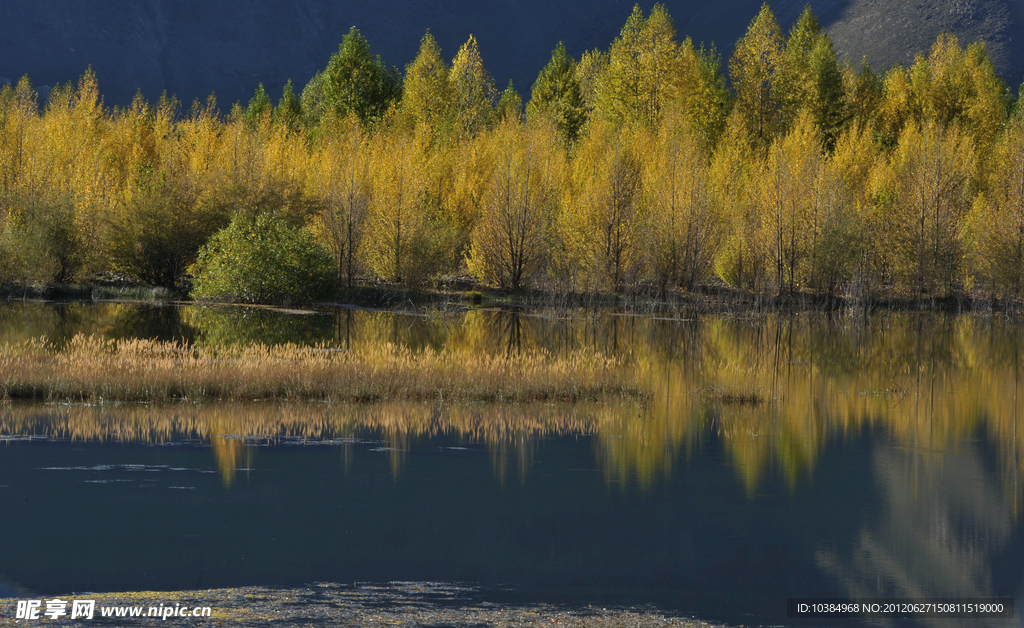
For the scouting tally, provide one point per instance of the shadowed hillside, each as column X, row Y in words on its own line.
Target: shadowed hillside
column 193, row 48
column 893, row 32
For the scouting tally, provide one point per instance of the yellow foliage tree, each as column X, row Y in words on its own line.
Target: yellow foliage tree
column 756, row 70
column 511, row 238
column 738, row 261
column 998, row 217
column 428, row 96
column 667, row 176
column 786, row 184
column 588, row 73
column 473, row 87
column 401, row 243
column 703, row 95
column 924, row 197
column 340, row 177
column 604, row 222
column 958, row 86
column 852, row 161
column 951, row 86
column 682, row 223
column 643, row 71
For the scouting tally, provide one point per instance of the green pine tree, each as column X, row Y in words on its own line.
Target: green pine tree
column 828, row 102
column 288, row 110
column 354, row 82
column 259, row 105
column 510, row 103
column 557, row 92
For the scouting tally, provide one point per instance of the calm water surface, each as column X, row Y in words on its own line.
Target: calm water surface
column 870, row 457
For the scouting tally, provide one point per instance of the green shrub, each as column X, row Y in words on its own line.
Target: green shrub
column 262, row 260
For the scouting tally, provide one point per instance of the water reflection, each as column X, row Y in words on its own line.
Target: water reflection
column 877, row 517
column 933, row 400
column 943, row 520
column 776, row 389
column 60, row 322
column 235, row 431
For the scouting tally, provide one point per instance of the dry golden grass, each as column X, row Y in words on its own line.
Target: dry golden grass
column 93, row 369
column 396, row 421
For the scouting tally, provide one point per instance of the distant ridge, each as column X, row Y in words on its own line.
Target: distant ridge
column 192, row 48
column 890, row 32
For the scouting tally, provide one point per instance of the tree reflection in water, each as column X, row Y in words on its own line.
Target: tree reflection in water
column 943, row 519
column 936, row 397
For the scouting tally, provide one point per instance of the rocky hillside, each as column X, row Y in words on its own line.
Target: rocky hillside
column 890, row 32
column 195, row 47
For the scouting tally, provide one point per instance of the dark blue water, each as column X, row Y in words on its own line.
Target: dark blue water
column 882, row 457
column 91, row 516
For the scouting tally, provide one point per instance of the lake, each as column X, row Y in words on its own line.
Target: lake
column 777, row 457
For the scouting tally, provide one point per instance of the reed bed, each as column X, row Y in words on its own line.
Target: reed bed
column 91, row 369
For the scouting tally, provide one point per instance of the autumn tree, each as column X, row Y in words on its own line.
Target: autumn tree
column 756, row 71
column 591, row 66
column 858, row 254
column 401, row 243
column 789, row 168
column 703, row 97
column 473, row 90
column 960, row 86
column 38, row 234
column 643, row 71
column 428, row 100
column 835, row 232
column 604, row 219
column 68, row 177
column 682, row 223
column 158, row 225
column 804, row 176
column 950, row 86
column 739, row 261
column 863, row 93
column 925, row 196
column 900, row 106
column 455, row 176
column 19, row 115
column 261, row 170
column 829, row 239
column 511, row 237
column 341, row 179
column 811, row 79
column 998, row 217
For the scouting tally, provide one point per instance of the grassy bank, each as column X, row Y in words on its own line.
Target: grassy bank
column 89, row 369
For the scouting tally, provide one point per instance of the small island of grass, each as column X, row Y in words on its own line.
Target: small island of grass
column 90, row 369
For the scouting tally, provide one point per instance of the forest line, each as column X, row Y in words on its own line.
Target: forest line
column 651, row 166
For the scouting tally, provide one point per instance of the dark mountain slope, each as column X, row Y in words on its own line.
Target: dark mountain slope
column 894, row 32
column 193, row 47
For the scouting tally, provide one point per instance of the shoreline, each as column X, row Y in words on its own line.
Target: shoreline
column 706, row 299
column 403, row 604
